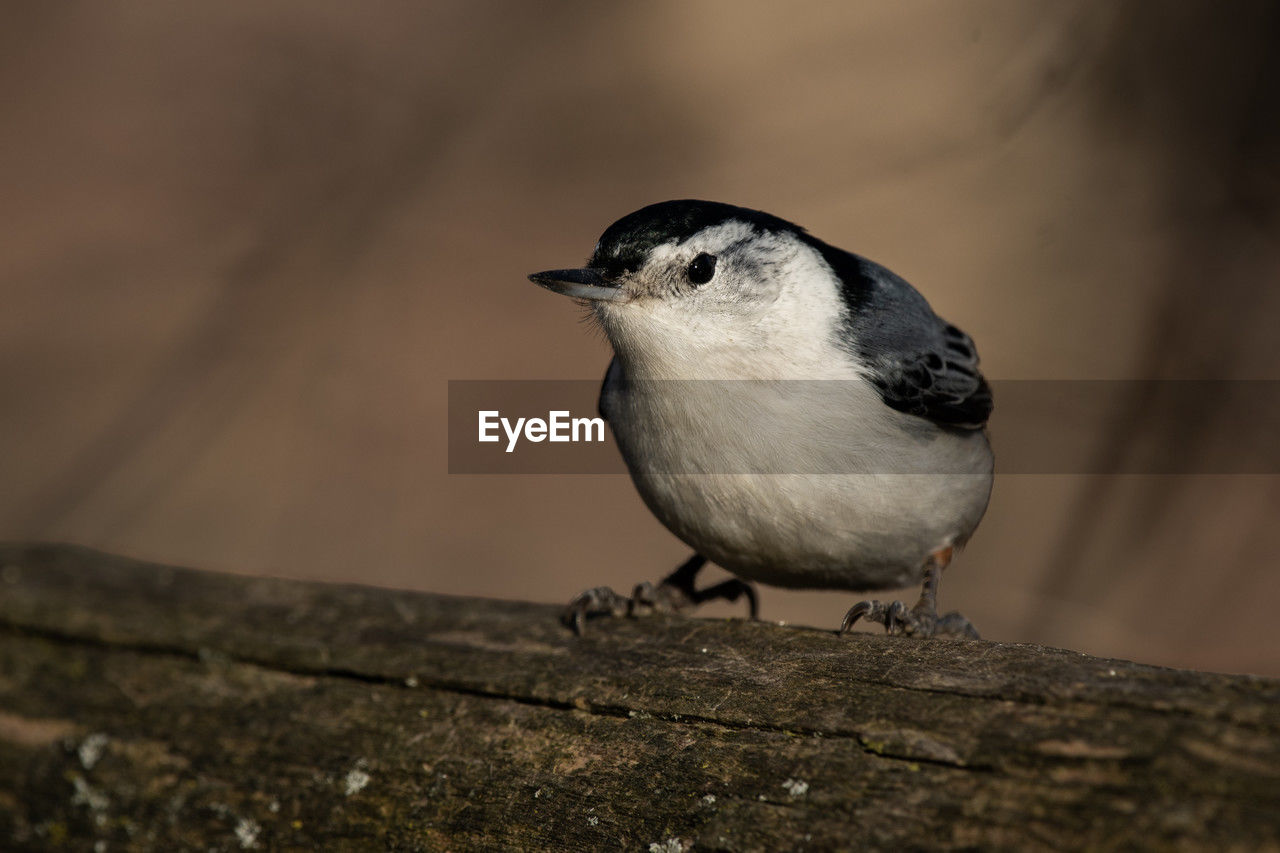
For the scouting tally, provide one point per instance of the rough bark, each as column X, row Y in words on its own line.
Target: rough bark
column 156, row 707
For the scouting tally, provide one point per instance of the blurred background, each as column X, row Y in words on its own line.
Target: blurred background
column 243, row 247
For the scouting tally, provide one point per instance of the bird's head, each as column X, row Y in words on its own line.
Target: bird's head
column 683, row 284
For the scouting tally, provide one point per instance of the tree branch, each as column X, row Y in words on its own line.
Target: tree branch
column 152, row 707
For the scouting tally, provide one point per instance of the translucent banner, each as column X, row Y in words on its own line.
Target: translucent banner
column 842, row 427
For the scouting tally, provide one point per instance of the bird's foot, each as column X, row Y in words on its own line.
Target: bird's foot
column 916, row 622
column 923, row 619
column 675, row 593
column 597, row 601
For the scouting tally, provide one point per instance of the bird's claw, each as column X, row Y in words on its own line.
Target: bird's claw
column 918, row 621
column 676, row 593
column 604, row 601
column 597, row 601
column 663, row 598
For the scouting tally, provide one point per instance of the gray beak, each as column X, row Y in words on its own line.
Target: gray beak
column 580, row 284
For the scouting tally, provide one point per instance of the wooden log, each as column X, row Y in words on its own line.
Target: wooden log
column 150, row 707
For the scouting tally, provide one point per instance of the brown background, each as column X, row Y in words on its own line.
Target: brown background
column 243, row 247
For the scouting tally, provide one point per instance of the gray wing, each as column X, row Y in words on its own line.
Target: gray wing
column 921, row 364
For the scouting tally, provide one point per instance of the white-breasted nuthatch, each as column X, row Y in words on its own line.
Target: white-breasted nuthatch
column 794, row 412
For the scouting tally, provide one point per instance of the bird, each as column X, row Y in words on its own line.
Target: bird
column 794, row 412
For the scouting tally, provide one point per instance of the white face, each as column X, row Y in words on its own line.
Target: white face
column 770, row 310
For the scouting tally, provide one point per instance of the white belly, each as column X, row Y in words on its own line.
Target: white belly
column 800, row 484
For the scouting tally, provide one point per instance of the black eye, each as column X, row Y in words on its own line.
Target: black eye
column 702, row 268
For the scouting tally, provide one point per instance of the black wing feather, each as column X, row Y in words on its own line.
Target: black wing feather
column 920, row 364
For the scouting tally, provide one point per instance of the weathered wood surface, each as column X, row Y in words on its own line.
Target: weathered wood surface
column 153, row 708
